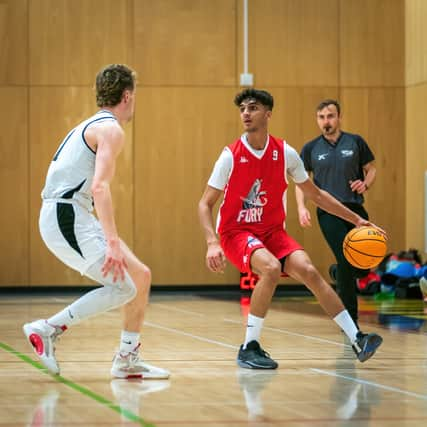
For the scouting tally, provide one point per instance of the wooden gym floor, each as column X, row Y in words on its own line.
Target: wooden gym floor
column 196, row 335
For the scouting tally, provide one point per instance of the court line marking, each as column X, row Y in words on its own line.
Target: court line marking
column 77, row 387
column 296, row 334
column 389, row 388
column 179, row 310
column 371, row 383
column 283, row 331
column 187, row 334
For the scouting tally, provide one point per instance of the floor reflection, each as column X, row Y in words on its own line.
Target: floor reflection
column 129, row 393
column 354, row 398
column 44, row 412
column 252, row 383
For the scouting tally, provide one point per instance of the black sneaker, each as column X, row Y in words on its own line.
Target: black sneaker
column 366, row 345
column 254, row 357
column 333, row 273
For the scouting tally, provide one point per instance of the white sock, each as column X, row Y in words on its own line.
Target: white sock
column 253, row 329
column 128, row 341
column 346, row 323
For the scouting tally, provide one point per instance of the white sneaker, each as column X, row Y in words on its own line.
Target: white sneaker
column 129, row 365
column 42, row 337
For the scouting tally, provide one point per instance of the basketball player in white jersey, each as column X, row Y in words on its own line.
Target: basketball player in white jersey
column 79, row 178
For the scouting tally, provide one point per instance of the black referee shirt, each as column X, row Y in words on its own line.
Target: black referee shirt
column 335, row 165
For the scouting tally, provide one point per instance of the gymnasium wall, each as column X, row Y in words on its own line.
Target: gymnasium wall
column 188, row 55
column 416, row 123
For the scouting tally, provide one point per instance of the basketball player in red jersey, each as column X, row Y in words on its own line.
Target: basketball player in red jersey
column 253, row 174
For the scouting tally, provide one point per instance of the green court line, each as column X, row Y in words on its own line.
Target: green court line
column 83, row 390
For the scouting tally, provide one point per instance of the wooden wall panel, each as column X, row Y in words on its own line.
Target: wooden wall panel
column 14, row 219
column 13, row 42
column 292, row 42
column 188, row 54
column 416, row 166
column 379, row 115
column 416, row 41
column 53, row 112
column 372, row 42
column 71, row 40
column 186, row 42
column 416, row 128
column 179, row 133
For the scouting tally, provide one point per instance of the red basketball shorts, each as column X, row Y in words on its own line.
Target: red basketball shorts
column 239, row 246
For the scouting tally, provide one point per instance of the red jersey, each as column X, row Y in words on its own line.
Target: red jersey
column 255, row 195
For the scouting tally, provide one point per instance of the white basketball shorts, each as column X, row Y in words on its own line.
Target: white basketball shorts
column 72, row 234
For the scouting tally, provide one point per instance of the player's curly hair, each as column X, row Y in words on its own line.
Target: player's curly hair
column 111, row 82
column 262, row 96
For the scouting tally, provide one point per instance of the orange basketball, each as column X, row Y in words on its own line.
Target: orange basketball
column 364, row 247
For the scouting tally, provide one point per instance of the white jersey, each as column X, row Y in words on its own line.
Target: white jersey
column 71, row 171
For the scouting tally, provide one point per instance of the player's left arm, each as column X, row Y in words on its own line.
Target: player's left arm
column 110, row 140
column 330, row 204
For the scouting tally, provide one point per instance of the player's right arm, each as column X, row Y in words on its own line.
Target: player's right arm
column 215, row 258
column 110, row 140
column 303, row 213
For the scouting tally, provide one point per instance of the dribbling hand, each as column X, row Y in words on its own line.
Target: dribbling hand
column 365, row 223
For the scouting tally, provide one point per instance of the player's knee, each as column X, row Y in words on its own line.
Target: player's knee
column 310, row 273
column 127, row 289
column 142, row 278
column 271, row 270
column 146, row 275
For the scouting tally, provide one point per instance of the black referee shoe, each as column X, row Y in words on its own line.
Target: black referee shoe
column 254, row 357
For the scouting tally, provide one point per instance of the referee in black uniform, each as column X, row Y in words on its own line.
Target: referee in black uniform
column 343, row 165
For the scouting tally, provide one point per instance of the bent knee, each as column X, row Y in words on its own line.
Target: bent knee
column 141, row 275
column 271, row 270
column 127, row 289
column 146, row 273
column 310, row 274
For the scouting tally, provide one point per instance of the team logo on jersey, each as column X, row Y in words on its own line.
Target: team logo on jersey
column 252, row 206
column 243, row 159
column 347, row 153
column 322, row 156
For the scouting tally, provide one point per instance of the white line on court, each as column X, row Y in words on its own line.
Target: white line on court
column 283, row 331
column 295, row 334
column 179, row 310
column 187, row 334
column 357, row 380
column 319, row 371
